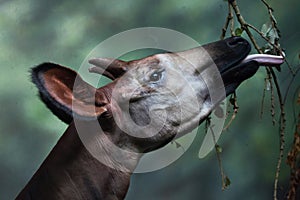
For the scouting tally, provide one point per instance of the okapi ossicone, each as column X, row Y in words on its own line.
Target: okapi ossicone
column 152, row 90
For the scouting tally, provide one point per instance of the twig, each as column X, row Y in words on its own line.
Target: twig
column 270, row 11
column 265, row 38
column 272, row 102
column 233, row 101
column 273, row 45
column 263, row 97
column 270, row 73
column 243, row 24
column 225, row 179
column 229, row 19
column 282, row 124
column 267, row 5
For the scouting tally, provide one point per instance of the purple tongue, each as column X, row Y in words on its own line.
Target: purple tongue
column 264, row 59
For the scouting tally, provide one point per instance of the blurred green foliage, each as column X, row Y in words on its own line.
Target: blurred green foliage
column 33, row 31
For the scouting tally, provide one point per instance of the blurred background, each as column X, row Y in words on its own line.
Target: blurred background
column 34, row 31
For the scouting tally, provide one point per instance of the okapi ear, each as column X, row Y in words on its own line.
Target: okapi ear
column 109, row 67
column 66, row 94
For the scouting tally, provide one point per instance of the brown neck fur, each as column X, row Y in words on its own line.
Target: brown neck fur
column 71, row 172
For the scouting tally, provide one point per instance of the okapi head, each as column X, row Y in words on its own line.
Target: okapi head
column 150, row 100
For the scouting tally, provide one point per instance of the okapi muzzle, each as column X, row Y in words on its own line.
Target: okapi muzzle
column 149, row 102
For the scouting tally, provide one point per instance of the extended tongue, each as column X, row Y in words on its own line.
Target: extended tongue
column 264, row 59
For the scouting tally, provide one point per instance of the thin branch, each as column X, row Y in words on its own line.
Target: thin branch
column 225, row 179
column 263, row 96
column 229, row 19
column 233, row 102
column 243, row 24
column 270, row 72
column 273, row 45
column 270, row 11
column 265, row 38
column 281, row 135
column 272, row 102
column 267, row 5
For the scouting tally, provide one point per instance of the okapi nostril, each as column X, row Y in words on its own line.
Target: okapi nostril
column 236, row 41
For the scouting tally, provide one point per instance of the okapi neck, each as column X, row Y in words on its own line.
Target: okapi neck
column 71, row 172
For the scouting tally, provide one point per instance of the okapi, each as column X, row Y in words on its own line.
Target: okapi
column 162, row 87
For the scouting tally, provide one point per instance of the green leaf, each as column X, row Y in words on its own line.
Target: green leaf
column 270, row 32
column 238, row 31
column 227, row 181
column 218, row 148
column 265, row 29
column 273, row 35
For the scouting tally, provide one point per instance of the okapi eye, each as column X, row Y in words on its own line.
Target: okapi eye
column 156, row 76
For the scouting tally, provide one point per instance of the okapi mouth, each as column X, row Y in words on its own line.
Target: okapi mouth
column 236, row 65
column 235, row 75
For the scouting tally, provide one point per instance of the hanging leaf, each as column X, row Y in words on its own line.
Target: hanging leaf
column 227, row 181
column 219, row 148
column 238, row 31
column 270, row 32
column 273, row 35
column 264, row 29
